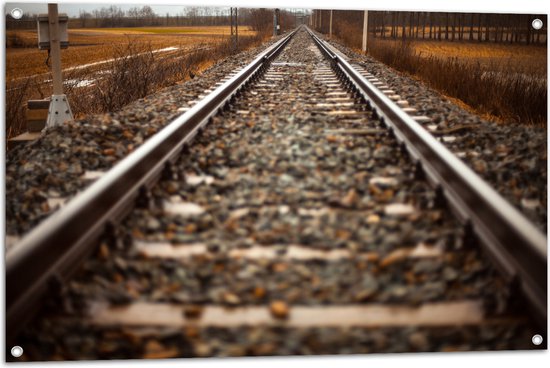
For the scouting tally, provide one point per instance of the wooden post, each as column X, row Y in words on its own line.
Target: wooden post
column 365, row 30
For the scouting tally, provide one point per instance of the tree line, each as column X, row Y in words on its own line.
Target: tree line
column 260, row 20
column 478, row 27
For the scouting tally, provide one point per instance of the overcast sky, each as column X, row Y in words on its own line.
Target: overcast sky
column 74, row 9
column 515, row 6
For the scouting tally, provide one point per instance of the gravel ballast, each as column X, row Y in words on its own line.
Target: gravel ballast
column 294, row 197
column 510, row 157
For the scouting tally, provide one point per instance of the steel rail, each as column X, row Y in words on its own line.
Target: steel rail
column 513, row 242
column 55, row 248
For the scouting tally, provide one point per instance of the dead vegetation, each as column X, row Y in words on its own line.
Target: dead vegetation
column 496, row 87
column 96, row 44
column 496, row 64
column 133, row 71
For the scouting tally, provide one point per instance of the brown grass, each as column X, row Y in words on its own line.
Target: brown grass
column 133, row 72
column 197, row 30
column 505, row 81
column 493, row 56
column 96, row 44
column 349, row 35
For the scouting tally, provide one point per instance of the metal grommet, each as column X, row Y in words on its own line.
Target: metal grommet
column 537, row 339
column 537, row 24
column 16, row 351
column 16, row 13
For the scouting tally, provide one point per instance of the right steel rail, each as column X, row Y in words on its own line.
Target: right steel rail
column 516, row 245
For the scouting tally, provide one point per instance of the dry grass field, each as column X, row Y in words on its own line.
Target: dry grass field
column 88, row 45
column 503, row 82
column 493, row 56
column 127, row 65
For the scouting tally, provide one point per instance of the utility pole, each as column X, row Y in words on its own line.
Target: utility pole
column 234, row 28
column 276, row 26
column 59, row 110
column 330, row 26
column 365, row 30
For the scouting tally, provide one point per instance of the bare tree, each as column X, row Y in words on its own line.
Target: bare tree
column 261, row 20
column 84, row 18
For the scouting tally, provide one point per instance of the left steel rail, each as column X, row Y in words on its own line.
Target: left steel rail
column 55, row 248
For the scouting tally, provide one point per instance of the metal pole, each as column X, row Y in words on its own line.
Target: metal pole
column 278, row 21
column 55, row 49
column 234, row 18
column 275, row 22
column 59, row 111
column 276, row 26
column 330, row 26
column 365, row 30
column 232, row 28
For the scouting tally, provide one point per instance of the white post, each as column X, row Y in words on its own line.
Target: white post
column 330, row 26
column 365, row 30
column 59, row 111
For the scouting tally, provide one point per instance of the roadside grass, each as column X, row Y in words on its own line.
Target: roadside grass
column 505, row 82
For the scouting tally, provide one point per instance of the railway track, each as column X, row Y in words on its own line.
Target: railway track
column 294, row 210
